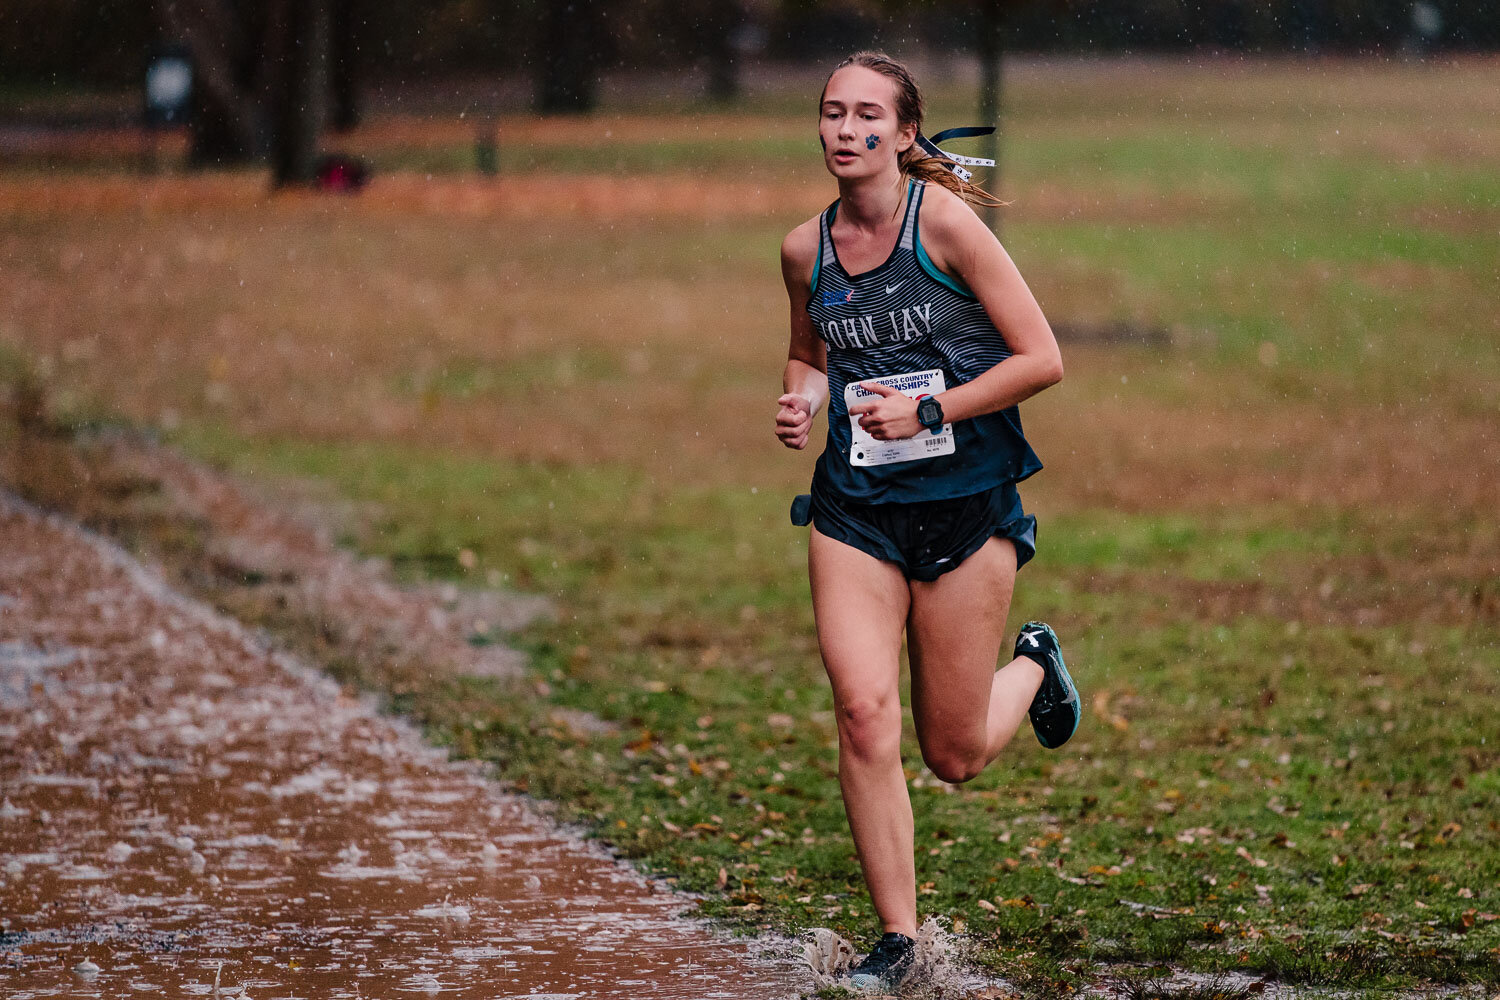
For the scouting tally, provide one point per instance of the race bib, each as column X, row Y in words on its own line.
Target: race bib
column 865, row 450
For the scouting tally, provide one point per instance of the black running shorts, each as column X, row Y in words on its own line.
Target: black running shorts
column 926, row 538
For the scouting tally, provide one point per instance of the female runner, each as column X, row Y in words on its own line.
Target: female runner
column 917, row 525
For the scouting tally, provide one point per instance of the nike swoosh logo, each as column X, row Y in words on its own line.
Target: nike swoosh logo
column 891, row 288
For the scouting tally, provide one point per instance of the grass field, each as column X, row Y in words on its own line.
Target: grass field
column 1268, row 531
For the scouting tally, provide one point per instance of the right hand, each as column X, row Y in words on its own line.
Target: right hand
column 794, row 420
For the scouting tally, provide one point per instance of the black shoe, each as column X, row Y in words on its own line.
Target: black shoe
column 1054, row 711
column 885, row 967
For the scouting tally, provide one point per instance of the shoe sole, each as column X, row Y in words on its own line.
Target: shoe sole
column 1067, row 680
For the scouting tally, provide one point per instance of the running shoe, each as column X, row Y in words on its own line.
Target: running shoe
column 1054, row 711
column 885, row 966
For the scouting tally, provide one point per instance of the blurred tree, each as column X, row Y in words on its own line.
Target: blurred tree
column 102, row 43
column 989, row 45
column 230, row 122
column 345, row 67
column 269, row 76
column 300, row 98
column 573, row 48
column 98, row 42
column 719, row 22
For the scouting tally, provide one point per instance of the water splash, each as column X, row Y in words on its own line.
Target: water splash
column 938, row 972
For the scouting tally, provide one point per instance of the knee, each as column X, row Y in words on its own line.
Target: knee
column 955, row 763
column 870, row 725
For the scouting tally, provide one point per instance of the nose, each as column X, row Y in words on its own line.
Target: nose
column 846, row 128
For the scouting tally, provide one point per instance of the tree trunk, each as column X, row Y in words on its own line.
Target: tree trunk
column 570, row 55
column 301, row 105
column 228, row 119
column 344, row 69
column 718, row 25
column 991, row 24
column 267, row 77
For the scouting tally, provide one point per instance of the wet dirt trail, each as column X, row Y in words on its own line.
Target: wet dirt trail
column 179, row 804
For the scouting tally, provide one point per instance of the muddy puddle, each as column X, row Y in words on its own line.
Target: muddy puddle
column 180, row 808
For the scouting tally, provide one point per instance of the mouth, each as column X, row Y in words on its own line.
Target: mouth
column 845, row 155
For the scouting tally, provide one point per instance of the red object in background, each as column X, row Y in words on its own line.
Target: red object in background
column 341, row 173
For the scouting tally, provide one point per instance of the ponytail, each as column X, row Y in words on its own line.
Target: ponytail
column 918, row 164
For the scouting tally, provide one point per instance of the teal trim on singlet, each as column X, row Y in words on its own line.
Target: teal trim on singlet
column 817, row 269
column 932, row 269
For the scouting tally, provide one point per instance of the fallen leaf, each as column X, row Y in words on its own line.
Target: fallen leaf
column 1102, row 710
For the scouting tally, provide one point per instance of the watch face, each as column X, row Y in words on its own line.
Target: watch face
column 929, row 413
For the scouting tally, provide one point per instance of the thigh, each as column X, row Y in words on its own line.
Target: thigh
column 955, row 632
column 860, row 604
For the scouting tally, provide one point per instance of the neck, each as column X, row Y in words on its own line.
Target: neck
column 869, row 202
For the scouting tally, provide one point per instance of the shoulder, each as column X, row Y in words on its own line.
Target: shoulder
column 947, row 220
column 799, row 251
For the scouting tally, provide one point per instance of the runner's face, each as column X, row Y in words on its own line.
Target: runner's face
column 857, row 124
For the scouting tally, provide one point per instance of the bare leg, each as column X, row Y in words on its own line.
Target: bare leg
column 966, row 711
column 861, row 606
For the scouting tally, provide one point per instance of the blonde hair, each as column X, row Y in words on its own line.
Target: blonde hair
column 915, row 162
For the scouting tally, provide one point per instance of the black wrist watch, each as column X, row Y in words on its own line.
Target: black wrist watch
column 930, row 413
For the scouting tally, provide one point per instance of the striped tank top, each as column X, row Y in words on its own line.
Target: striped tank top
column 906, row 316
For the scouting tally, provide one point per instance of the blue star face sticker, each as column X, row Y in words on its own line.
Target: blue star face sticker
column 871, row 141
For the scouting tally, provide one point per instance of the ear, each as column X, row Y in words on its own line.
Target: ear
column 906, row 137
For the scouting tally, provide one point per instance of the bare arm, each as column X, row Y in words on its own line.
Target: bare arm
column 805, row 381
column 961, row 245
